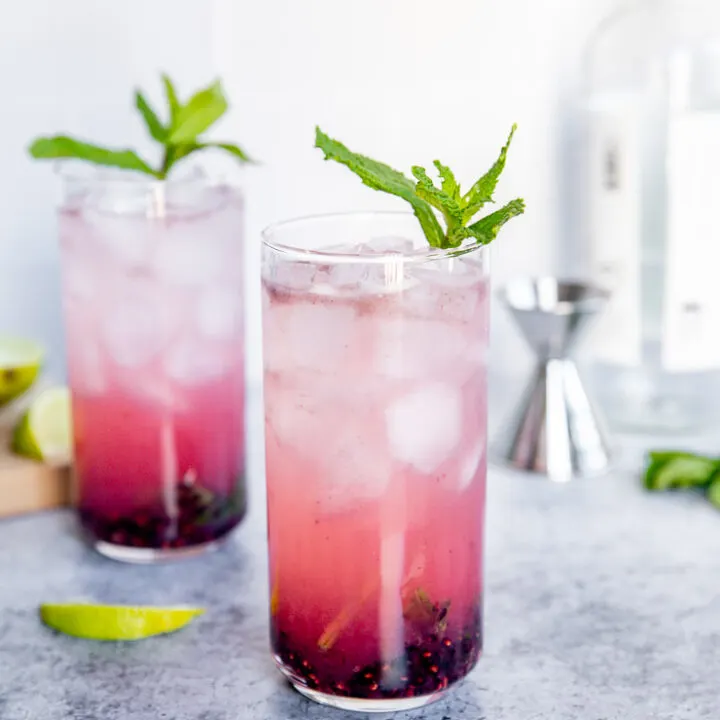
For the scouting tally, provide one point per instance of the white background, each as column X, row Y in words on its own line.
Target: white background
column 403, row 80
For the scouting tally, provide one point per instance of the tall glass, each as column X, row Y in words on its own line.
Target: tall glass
column 375, row 349
column 153, row 300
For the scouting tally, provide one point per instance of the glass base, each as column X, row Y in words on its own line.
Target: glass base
column 152, row 556
column 365, row 705
column 368, row 706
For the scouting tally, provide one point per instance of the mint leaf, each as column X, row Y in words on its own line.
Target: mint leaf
column 483, row 190
column 439, row 199
column 172, row 99
column 379, row 176
column 61, row 146
column 676, row 470
column 179, row 138
column 179, row 152
column 238, row 152
column 154, row 125
column 426, row 198
column 203, row 110
column 426, row 615
column 487, row 229
column 450, row 185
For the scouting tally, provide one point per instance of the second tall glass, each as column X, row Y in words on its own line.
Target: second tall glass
column 375, row 396
column 153, row 299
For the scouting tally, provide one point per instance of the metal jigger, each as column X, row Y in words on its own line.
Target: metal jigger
column 556, row 432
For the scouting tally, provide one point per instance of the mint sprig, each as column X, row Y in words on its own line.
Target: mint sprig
column 682, row 471
column 179, row 135
column 428, row 201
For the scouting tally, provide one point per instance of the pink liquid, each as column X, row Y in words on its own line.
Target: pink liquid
column 134, row 460
column 376, row 473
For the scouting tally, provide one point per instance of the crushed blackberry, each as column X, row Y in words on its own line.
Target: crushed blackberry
column 202, row 517
column 429, row 666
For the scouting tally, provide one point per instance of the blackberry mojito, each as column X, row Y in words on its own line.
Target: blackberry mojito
column 375, row 459
column 154, row 330
column 152, row 267
column 375, row 350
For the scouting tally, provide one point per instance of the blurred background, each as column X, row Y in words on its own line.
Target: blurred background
column 427, row 80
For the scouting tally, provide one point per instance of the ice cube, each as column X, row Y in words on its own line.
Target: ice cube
column 331, row 278
column 324, row 422
column 86, row 366
column 449, row 288
column 291, row 275
column 139, row 322
column 80, row 279
column 219, row 312
column 424, row 427
column 471, row 464
column 316, row 336
column 294, row 413
column 389, row 244
column 344, row 249
column 357, row 279
column 127, row 240
column 186, row 256
column 194, row 363
column 408, row 348
column 357, row 465
column 159, row 390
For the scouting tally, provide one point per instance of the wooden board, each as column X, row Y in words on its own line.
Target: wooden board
column 27, row 486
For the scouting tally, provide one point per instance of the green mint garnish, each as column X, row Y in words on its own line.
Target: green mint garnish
column 456, row 209
column 179, row 136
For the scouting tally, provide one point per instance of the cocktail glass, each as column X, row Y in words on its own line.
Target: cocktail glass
column 375, row 351
column 153, row 301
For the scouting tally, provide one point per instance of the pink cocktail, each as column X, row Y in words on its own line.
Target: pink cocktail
column 153, row 296
column 375, row 394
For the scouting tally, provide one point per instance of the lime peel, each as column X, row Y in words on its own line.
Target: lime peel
column 116, row 622
column 20, row 363
column 44, row 432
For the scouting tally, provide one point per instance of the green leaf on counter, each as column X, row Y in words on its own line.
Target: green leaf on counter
column 677, row 470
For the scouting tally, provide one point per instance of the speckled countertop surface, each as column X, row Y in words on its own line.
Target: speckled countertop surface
column 603, row 604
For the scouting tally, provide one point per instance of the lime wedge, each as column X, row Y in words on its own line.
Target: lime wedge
column 20, row 363
column 115, row 622
column 45, row 430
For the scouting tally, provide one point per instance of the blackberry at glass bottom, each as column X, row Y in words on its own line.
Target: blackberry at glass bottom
column 201, row 520
column 430, row 664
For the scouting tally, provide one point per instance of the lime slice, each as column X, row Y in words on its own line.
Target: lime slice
column 115, row 622
column 45, row 430
column 20, row 363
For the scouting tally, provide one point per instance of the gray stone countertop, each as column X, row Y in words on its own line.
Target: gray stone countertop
column 603, row 603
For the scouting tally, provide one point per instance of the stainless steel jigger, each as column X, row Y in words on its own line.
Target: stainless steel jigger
column 556, row 432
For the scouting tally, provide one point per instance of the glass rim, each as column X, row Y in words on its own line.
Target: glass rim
column 423, row 254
